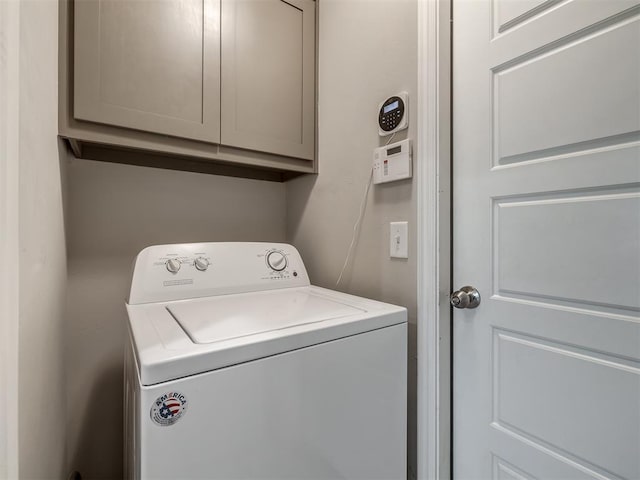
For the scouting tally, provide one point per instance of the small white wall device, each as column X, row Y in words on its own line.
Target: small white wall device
column 393, row 114
column 392, row 162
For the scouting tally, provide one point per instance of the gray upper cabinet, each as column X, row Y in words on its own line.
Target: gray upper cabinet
column 268, row 76
column 150, row 65
column 218, row 86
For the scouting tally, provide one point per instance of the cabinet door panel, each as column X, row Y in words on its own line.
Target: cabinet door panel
column 268, row 76
column 150, row 65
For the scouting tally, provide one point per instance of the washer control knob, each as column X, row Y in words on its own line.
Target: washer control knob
column 173, row 265
column 201, row 263
column 277, row 261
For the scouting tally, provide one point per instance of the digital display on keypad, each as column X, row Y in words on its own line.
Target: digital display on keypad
column 394, row 150
column 391, row 106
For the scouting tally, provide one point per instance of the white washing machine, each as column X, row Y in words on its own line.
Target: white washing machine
column 238, row 368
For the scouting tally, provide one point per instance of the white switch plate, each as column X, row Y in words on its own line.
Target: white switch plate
column 399, row 239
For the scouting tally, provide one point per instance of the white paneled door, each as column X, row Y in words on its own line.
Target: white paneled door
column 547, row 227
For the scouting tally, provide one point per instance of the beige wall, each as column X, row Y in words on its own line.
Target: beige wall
column 9, row 232
column 113, row 212
column 367, row 52
column 42, row 262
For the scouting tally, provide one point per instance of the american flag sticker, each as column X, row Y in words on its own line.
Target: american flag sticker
column 168, row 408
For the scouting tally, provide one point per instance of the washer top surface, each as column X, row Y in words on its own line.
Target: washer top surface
column 227, row 317
column 195, row 308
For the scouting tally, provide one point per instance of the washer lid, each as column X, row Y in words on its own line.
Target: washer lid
column 227, row 317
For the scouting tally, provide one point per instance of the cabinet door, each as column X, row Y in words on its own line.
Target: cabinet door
column 151, row 65
column 268, row 76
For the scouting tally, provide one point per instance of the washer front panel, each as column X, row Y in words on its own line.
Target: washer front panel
column 336, row 410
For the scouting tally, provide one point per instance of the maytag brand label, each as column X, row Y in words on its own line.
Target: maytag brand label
column 168, row 408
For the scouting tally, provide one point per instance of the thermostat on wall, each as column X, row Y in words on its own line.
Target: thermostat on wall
column 393, row 114
column 392, row 162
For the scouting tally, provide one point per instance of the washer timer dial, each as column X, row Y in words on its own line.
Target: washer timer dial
column 276, row 260
column 201, row 263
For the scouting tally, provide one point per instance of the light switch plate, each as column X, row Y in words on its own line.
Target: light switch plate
column 399, row 239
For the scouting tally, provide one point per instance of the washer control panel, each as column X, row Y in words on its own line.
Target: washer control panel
column 181, row 271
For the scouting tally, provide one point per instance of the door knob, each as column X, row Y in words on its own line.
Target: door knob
column 466, row 297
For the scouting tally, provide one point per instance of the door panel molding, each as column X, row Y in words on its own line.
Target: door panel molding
column 591, row 87
column 508, row 15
